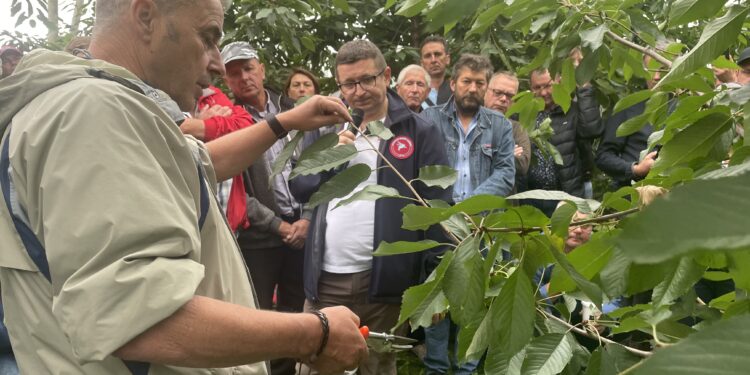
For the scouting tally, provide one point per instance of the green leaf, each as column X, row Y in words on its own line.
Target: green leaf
column 508, row 324
column 693, row 142
column 681, row 224
column 547, row 355
column 341, row 184
column 555, row 195
column 437, row 175
column 285, row 155
column 263, row 13
column 486, row 19
column 592, row 38
column 411, row 8
column 418, row 301
column 614, row 276
column 479, row 203
column 464, row 283
column 588, row 259
column 342, row 4
column 587, row 69
column 451, row 11
column 324, row 160
column 561, row 97
column 601, row 363
column 378, row 129
column 721, row 347
column 421, row 218
column 686, row 11
column 717, row 37
column 677, row 283
column 561, row 219
column 632, row 100
column 404, row 247
column 592, row 291
column 370, row 193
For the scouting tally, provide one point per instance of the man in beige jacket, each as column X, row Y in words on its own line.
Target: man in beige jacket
column 113, row 258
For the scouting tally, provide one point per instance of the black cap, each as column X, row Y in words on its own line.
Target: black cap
column 744, row 56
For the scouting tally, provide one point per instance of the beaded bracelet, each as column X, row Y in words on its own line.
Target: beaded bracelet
column 324, row 340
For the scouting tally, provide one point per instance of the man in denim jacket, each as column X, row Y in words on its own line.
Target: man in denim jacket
column 479, row 143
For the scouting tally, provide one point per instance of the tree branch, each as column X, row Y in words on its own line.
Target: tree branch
column 600, row 219
column 644, row 50
column 583, row 332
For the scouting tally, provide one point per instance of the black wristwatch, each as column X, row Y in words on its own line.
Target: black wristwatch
column 275, row 126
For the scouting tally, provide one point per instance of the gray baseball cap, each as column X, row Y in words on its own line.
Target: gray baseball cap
column 238, row 51
column 744, row 56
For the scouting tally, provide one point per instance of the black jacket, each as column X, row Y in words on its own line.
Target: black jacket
column 574, row 133
column 444, row 93
column 391, row 275
column 616, row 155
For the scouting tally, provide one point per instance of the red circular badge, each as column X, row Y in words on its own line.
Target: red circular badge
column 402, row 147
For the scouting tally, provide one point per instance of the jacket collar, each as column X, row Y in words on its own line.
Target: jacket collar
column 397, row 109
column 449, row 110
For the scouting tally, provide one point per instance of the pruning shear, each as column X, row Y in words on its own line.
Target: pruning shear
column 384, row 342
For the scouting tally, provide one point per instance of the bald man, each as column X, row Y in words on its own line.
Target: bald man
column 114, row 259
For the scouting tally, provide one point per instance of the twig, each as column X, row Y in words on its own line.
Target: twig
column 583, row 332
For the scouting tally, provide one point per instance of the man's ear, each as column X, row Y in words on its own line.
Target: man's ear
column 144, row 14
column 387, row 74
column 452, row 84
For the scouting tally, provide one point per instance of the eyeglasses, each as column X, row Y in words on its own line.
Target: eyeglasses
column 501, row 93
column 365, row 83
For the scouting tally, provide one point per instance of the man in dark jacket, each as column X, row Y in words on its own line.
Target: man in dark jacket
column 574, row 133
column 619, row 157
column 272, row 245
column 435, row 60
column 339, row 266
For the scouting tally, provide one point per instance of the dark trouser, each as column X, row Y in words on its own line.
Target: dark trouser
column 351, row 290
column 278, row 269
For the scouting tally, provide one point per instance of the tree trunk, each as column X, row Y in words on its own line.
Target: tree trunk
column 53, row 17
column 75, row 24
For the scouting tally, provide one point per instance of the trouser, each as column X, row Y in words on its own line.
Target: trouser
column 351, row 290
column 441, row 344
column 278, row 269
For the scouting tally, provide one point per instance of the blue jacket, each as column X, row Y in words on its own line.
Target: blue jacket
column 391, row 275
column 492, row 164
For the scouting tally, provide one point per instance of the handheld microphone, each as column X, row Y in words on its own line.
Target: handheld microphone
column 357, row 116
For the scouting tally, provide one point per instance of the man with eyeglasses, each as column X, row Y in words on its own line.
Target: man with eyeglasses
column 339, row 266
column 413, row 85
column 479, row 143
column 499, row 96
column 573, row 134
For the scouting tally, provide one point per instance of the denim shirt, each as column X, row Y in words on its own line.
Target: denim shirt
column 490, row 147
column 463, row 187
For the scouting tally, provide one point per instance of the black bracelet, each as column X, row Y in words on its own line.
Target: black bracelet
column 275, row 126
column 324, row 340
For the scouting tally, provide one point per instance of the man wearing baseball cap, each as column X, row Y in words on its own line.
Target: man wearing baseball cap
column 743, row 75
column 10, row 57
column 273, row 244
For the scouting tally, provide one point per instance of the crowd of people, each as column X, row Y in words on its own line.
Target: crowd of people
column 146, row 230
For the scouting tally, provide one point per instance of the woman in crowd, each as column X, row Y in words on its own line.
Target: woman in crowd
column 301, row 83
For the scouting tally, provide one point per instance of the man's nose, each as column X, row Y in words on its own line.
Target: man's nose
column 215, row 65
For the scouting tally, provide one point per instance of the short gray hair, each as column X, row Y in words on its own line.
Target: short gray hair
column 475, row 63
column 411, row 68
column 504, row 73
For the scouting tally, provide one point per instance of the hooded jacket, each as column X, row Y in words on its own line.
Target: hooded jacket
column 107, row 184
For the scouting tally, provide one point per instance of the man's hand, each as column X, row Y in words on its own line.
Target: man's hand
column 725, row 75
column 299, row 234
column 644, row 166
column 194, row 127
column 213, row 111
column 315, row 112
column 285, row 229
column 346, row 347
column 346, row 137
column 518, row 151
